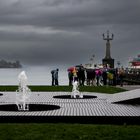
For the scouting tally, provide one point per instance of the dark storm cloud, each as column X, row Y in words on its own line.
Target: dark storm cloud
column 67, row 31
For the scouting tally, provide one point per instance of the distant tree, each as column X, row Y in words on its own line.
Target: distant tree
column 5, row 64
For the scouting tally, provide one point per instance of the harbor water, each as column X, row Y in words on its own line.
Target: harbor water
column 37, row 75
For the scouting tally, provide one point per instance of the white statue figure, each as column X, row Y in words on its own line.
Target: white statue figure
column 23, row 92
column 75, row 91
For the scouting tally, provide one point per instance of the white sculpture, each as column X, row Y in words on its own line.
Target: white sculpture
column 23, row 93
column 75, row 91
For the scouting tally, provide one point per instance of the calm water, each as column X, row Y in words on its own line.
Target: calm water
column 36, row 76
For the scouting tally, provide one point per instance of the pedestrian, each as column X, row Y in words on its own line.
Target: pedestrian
column 81, row 76
column 74, row 72
column 104, row 75
column 88, row 76
column 70, row 76
column 52, row 72
column 121, row 76
column 110, row 77
column 98, row 77
column 55, row 77
column 114, row 77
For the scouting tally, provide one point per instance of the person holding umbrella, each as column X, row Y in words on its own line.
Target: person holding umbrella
column 75, row 78
column 72, row 75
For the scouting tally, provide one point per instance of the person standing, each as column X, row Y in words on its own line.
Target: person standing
column 74, row 72
column 81, row 76
column 98, row 77
column 70, row 76
column 55, row 77
column 121, row 76
column 104, row 75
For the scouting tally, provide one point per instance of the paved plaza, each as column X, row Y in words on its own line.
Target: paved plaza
column 105, row 107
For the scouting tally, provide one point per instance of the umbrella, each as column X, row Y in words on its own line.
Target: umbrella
column 97, row 71
column 71, row 69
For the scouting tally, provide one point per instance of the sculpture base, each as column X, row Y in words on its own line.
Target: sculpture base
column 108, row 61
column 32, row 107
column 69, row 97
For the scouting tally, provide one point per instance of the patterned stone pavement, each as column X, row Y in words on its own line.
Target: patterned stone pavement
column 125, row 96
column 102, row 106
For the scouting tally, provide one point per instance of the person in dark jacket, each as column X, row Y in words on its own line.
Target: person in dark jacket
column 55, row 77
column 104, row 75
column 52, row 72
column 121, row 76
column 81, row 76
column 70, row 76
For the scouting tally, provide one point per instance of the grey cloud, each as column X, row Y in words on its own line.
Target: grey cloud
column 67, row 32
column 72, row 13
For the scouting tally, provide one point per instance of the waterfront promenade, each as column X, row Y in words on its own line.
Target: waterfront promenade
column 101, row 109
column 130, row 87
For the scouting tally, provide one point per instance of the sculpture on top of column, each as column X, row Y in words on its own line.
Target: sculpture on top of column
column 108, row 60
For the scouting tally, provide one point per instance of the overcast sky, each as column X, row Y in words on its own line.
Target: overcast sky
column 68, row 32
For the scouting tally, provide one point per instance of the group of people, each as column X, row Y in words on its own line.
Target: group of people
column 96, row 77
column 105, row 76
column 77, row 74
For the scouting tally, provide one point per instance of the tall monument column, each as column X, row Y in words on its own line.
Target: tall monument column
column 108, row 60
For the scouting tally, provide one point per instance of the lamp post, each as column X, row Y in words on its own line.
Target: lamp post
column 118, row 63
column 92, row 60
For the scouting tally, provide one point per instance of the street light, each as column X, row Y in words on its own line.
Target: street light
column 118, row 63
column 92, row 60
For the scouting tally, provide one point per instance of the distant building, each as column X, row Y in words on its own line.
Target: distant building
column 135, row 63
column 6, row 64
